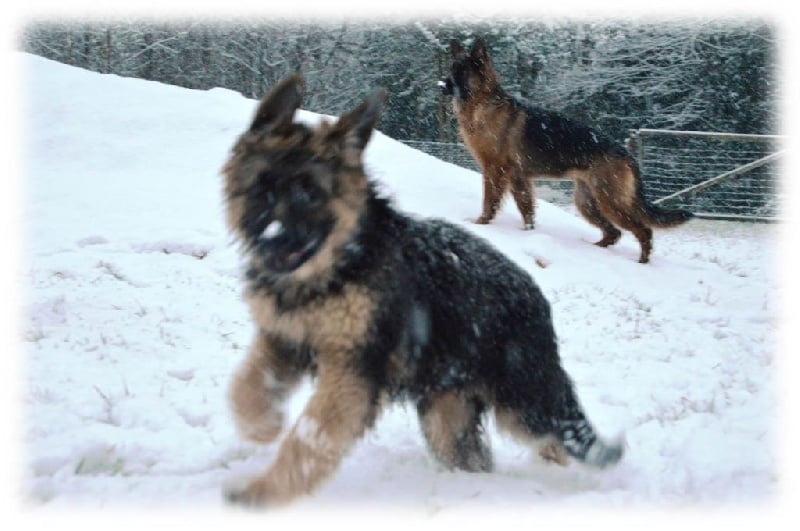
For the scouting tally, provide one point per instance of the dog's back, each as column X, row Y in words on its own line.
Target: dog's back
column 554, row 144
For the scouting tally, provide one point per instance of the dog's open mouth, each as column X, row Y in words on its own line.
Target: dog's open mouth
column 285, row 260
column 285, row 249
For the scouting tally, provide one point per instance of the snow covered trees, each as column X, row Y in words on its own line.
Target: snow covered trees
column 618, row 75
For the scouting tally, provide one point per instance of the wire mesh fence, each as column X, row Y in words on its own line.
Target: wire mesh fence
column 712, row 174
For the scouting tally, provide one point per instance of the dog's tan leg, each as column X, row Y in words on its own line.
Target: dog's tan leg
column 258, row 389
column 626, row 216
column 644, row 234
column 495, row 184
column 451, row 425
column 589, row 208
column 524, row 195
column 623, row 207
column 343, row 406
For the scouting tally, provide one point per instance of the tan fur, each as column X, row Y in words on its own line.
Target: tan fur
column 549, row 449
column 448, row 417
column 333, row 325
column 450, row 425
column 553, row 452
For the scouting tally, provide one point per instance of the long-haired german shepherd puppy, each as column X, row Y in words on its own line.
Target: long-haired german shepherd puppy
column 378, row 306
column 514, row 143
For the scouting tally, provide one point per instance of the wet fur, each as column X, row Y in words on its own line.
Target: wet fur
column 388, row 308
column 514, row 143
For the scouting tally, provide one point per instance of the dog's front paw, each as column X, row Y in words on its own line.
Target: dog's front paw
column 528, row 226
column 483, row 220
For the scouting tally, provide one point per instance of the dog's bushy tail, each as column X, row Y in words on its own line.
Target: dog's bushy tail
column 580, row 441
column 657, row 216
column 579, row 438
column 665, row 217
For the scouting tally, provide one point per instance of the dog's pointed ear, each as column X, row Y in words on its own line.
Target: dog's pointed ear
column 356, row 126
column 455, row 48
column 478, row 51
column 279, row 105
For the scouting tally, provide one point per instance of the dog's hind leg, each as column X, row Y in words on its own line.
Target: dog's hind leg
column 343, row 406
column 259, row 388
column 629, row 219
column 589, row 208
column 451, row 423
column 625, row 206
column 523, row 191
column 644, row 234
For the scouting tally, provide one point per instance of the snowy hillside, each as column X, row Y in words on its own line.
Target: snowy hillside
column 133, row 323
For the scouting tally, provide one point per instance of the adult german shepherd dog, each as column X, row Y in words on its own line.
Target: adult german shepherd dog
column 514, row 143
column 378, row 306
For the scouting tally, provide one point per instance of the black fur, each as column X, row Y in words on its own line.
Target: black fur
column 566, row 143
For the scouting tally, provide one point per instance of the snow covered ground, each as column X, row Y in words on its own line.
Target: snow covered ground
column 132, row 323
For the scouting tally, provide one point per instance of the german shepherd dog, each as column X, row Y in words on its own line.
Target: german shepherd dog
column 514, row 143
column 378, row 306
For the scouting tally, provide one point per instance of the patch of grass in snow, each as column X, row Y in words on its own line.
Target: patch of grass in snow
column 192, row 250
column 116, row 272
column 100, row 461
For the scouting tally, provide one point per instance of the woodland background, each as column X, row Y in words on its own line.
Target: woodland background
column 706, row 75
